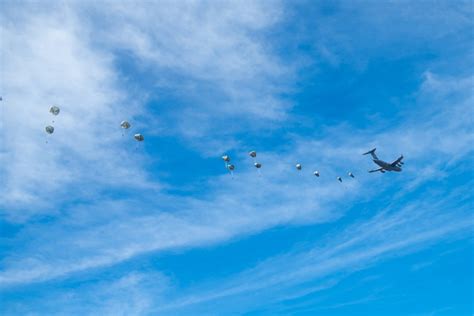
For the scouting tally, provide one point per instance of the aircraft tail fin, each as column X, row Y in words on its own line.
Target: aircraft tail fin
column 372, row 151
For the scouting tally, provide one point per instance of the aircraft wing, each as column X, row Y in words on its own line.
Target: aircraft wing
column 379, row 169
column 396, row 162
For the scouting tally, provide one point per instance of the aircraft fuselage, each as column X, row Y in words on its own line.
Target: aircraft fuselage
column 386, row 165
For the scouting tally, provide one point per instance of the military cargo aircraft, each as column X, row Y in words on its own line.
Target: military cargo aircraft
column 385, row 166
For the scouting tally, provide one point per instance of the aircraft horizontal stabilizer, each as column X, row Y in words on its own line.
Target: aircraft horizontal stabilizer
column 379, row 169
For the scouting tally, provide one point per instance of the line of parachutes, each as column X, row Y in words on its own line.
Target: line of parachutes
column 258, row 165
column 125, row 125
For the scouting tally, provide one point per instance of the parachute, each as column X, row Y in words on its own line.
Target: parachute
column 253, row 154
column 54, row 110
column 139, row 137
column 298, row 166
column 125, row 125
column 316, row 173
column 339, row 179
column 351, row 175
column 227, row 164
column 257, row 165
column 49, row 129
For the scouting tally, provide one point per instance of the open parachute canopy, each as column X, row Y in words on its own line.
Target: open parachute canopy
column 253, row 154
column 54, row 110
column 139, row 137
column 49, row 129
column 125, row 125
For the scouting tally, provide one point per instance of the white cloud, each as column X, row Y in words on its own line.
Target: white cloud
column 387, row 235
column 317, row 267
column 61, row 54
column 46, row 61
column 215, row 58
column 131, row 293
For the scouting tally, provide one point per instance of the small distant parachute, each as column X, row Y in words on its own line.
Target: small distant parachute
column 226, row 158
column 339, row 179
column 54, row 110
column 49, row 129
column 231, row 167
column 125, row 125
column 253, row 154
column 257, row 165
column 298, row 166
column 351, row 175
column 316, row 173
column 139, row 137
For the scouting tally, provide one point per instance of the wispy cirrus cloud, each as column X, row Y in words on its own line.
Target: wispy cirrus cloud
column 211, row 58
column 49, row 63
column 75, row 65
column 252, row 203
column 313, row 268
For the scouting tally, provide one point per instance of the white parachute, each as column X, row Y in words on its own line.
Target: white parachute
column 298, row 166
column 351, row 175
column 49, row 129
column 139, row 137
column 257, row 165
column 125, row 125
column 316, row 173
column 54, row 110
column 226, row 158
column 339, row 179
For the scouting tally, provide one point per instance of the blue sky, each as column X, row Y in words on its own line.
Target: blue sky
column 92, row 224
